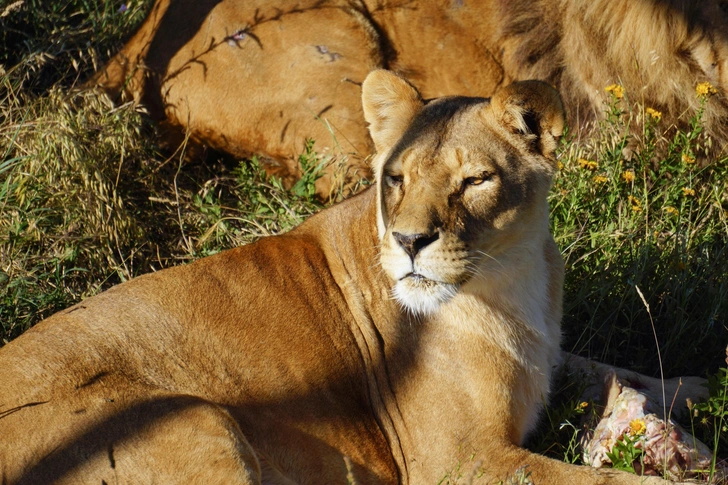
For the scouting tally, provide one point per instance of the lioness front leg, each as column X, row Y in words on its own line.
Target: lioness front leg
column 511, row 461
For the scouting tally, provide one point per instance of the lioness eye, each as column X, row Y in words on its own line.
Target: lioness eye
column 393, row 180
column 476, row 180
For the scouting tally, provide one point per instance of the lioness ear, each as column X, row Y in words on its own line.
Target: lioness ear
column 390, row 103
column 532, row 109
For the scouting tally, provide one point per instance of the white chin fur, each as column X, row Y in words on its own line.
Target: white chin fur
column 422, row 297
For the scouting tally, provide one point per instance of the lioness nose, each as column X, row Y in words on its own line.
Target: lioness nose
column 413, row 243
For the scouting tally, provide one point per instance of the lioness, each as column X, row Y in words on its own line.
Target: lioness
column 403, row 332
column 278, row 72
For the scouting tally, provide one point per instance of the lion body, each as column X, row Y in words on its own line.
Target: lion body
column 258, row 77
column 190, row 340
column 401, row 334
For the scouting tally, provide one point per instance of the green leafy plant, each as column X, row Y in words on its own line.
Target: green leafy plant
column 312, row 169
column 625, row 453
column 710, row 418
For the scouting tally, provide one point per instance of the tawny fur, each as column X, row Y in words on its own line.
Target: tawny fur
column 288, row 361
column 259, row 76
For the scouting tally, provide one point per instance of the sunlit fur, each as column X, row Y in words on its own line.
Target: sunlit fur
column 473, row 224
column 472, row 175
column 289, row 361
column 203, row 78
column 422, row 296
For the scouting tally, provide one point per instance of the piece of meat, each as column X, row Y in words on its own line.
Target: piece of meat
column 667, row 449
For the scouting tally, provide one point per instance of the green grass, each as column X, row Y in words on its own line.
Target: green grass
column 62, row 41
column 64, row 228
column 644, row 213
column 88, row 198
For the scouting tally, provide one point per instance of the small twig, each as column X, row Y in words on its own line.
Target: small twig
column 118, row 172
column 350, row 480
column 674, row 396
column 659, row 359
column 176, row 195
column 11, row 8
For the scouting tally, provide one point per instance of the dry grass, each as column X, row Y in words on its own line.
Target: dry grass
column 87, row 196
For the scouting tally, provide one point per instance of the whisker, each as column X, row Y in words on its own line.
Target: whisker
column 483, row 253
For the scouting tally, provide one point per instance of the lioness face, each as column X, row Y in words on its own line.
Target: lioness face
column 458, row 187
column 451, row 201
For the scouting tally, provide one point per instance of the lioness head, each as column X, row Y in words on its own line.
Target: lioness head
column 461, row 180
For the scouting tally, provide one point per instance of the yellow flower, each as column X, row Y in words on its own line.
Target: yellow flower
column 588, row 164
column 705, row 89
column 635, row 203
column 688, row 159
column 600, row 179
column 637, row 427
column 559, row 165
column 688, row 192
column 656, row 115
column 628, row 176
column 671, row 210
column 616, row 90
column 583, row 404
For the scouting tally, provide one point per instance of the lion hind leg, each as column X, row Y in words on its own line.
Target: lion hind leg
column 672, row 394
column 167, row 439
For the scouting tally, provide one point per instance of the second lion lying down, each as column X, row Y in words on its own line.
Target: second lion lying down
column 387, row 339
